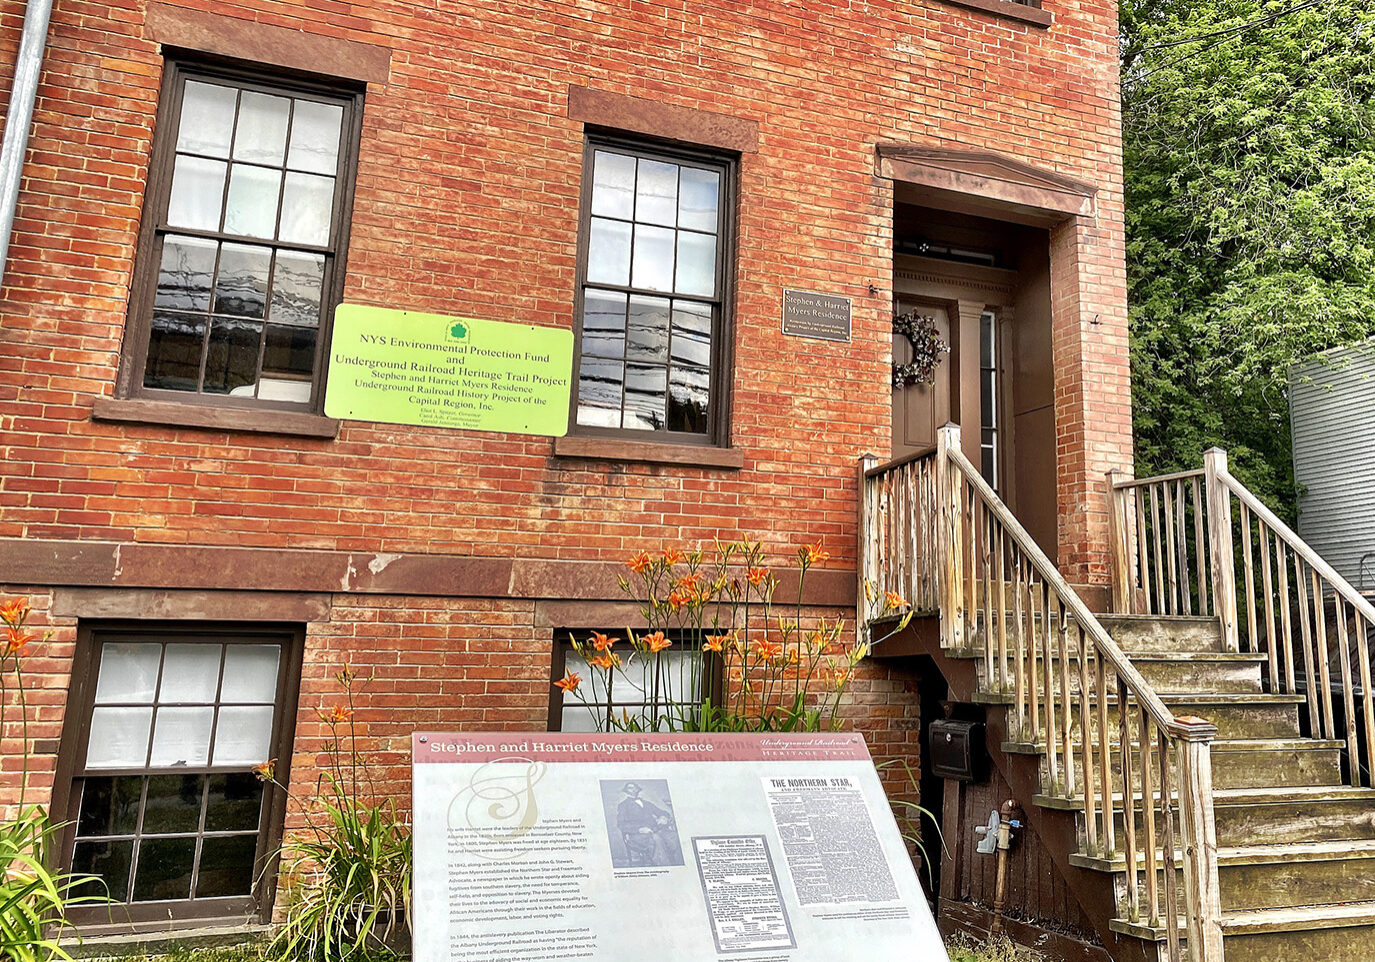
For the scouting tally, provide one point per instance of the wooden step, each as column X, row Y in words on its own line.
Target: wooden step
column 1164, row 633
column 1321, row 933
column 1237, row 763
column 1167, row 672
column 1236, row 714
column 1278, row 876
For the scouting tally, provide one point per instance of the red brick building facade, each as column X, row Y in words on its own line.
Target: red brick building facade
column 159, row 488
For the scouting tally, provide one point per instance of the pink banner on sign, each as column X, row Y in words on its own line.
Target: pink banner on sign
column 442, row 747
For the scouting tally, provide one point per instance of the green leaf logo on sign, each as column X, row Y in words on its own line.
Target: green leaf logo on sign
column 458, row 331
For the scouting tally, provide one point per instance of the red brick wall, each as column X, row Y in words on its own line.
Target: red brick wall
column 467, row 203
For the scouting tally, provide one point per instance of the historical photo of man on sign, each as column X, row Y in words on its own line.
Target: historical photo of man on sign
column 640, row 823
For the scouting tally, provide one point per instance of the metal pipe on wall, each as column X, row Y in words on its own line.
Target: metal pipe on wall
column 20, row 116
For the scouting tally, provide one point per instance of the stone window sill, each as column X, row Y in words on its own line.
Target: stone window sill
column 1008, row 10
column 618, row 449
column 174, row 414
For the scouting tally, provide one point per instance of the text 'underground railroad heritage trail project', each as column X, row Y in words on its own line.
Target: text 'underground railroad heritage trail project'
column 659, row 848
column 403, row 367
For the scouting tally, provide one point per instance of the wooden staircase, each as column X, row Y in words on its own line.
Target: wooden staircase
column 1247, row 837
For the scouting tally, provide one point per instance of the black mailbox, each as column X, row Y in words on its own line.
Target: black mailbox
column 957, row 749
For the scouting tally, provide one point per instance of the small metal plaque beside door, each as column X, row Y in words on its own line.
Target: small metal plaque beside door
column 811, row 314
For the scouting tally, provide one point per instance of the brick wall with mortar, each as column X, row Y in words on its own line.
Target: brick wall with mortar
column 466, row 203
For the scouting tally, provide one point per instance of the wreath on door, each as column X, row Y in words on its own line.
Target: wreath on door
column 927, row 348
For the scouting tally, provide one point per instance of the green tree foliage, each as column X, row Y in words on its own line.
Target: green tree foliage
column 1250, row 192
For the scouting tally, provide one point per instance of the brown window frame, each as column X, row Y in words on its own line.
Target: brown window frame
column 136, row 917
column 717, row 434
column 182, row 66
column 714, row 675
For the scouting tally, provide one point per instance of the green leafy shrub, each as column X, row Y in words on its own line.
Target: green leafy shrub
column 348, row 874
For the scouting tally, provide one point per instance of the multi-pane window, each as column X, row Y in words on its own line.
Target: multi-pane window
column 648, row 686
column 245, row 230
column 653, row 292
column 989, row 419
column 165, row 804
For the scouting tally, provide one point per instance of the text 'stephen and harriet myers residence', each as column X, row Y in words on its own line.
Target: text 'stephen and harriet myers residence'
column 205, row 182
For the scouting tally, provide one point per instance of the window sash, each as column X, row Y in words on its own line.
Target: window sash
column 156, row 229
column 717, row 374
column 264, row 834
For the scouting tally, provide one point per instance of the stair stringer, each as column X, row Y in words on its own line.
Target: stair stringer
column 1058, row 830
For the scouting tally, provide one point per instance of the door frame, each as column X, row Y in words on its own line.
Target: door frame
column 967, row 291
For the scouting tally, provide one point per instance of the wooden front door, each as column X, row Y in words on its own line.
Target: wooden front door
column 919, row 409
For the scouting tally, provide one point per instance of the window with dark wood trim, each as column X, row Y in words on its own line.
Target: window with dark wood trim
column 654, row 292
column 242, row 249
column 164, row 728
column 653, row 686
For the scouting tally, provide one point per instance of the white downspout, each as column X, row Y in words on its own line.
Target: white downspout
column 20, row 117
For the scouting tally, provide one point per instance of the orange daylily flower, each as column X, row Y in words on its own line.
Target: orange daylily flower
column 15, row 639
column 601, row 642
column 842, row 675
column 672, row 556
column 606, row 661
column 814, row 554
column 14, row 611
column 569, row 682
column 715, row 642
column 657, row 642
column 265, row 770
column 768, row 650
column 891, row 599
column 639, row 562
column 335, row 715
column 757, row 575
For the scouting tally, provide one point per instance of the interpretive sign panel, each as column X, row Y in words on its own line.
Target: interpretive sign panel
column 633, row 848
column 402, row 367
column 823, row 316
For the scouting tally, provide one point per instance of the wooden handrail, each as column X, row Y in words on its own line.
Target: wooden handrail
column 1299, row 546
column 1121, row 664
column 1142, row 482
column 886, row 466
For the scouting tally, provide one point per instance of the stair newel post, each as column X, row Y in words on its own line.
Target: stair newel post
column 1119, row 545
column 1221, row 556
column 864, row 543
column 1202, row 901
column 950, row 533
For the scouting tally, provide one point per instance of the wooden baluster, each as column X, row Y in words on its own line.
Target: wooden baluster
column 1248, row 567
column 1086, row 745
column 1367, row 698
column 1003, row 575
column 1324, row 668
column 1186, row 595
column 1222, row 563
column 902, row 518
column 1267, row 586
column 1120, row 544
column 971, row 559
column 864, row 559
column 1104, row 742
column 1167, row 847
column 1148, row 811
column 928, row 537
column 986, row 568
column 1348, row 693
column 1202, row 899
column 1124, row 744
column 1310, row 676
column 1048, row 673
column 1142, row 555
column 1286, row 616
column 1167, row 505
column 1201, row 551
column 1019, row 643
column 1157, row 553
column 1033, row 687
column 1066, row 700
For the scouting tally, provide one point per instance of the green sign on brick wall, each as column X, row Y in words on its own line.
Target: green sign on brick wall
column 402, row 367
